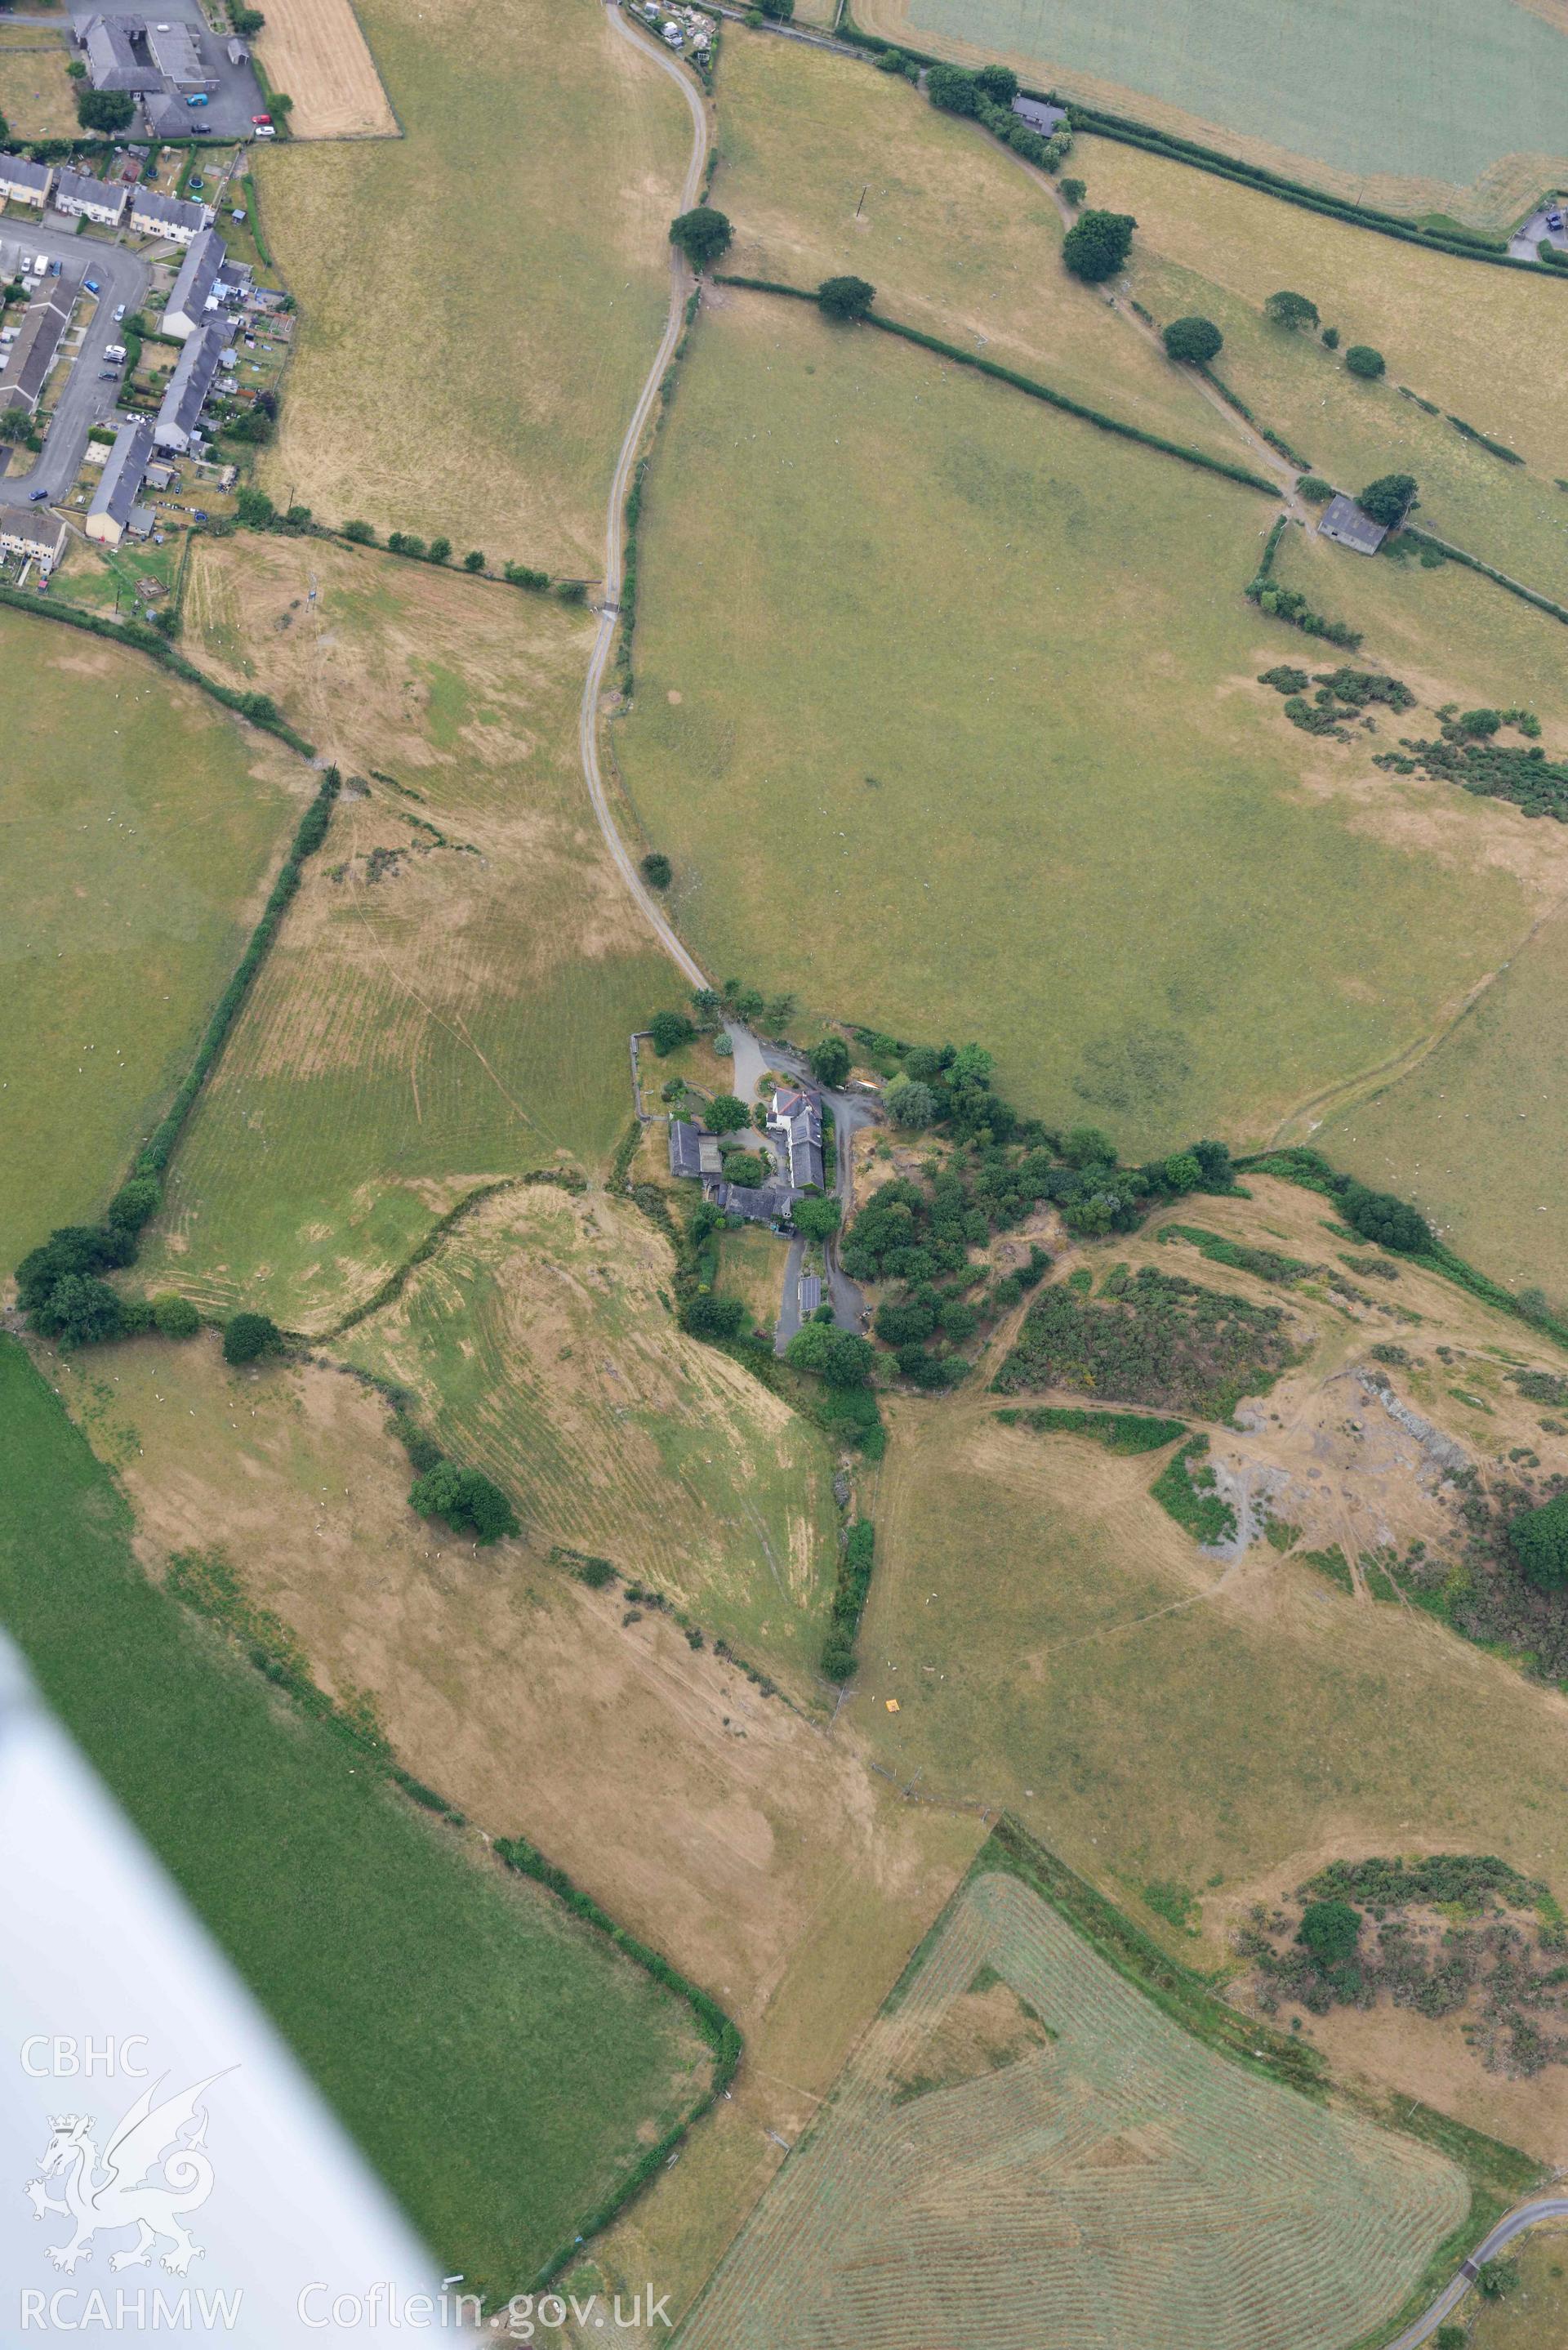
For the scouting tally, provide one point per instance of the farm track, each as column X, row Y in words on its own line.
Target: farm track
column 680, row 285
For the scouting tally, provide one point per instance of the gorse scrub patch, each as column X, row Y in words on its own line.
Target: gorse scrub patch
column 1151, row 1337
column 1185, row 1490
column 1118, row 1431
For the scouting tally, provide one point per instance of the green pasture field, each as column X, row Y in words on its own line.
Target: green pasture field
column 1056, row 2157
column 1513, row 517
column 482, row 297
column 497, row 2061
column 1485, row 343
column 449, row 998
column 824, row 169
column 973, row 689
column 1475, row 1133
column 1420, row 89
column 137, row 827
column 542, row 1350
column 1081, row 1666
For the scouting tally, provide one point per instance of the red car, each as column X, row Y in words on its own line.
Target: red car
column 261, row 118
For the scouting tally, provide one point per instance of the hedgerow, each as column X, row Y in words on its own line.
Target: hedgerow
column 1118, row 1431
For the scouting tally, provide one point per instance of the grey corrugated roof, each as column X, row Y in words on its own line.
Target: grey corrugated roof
column 1039, row 115
column 684, row 1158
column 123, row 470
column 1343, row 520
column 177, row 53
column 112, row 62
column 810, row 1292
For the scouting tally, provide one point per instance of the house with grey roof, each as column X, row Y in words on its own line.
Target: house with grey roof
column 176, row 51
column 169, row 217
column 166, row 117
column 195, row 372
column 1040, row 115
column 32, row 356
column 26, row 183
column 109, row 516
column 78, row 195
column 35, row 534
column 794, row 1120
column 208, row 279
column 1344, row 522
column 684, row 1158
column 766, row 1203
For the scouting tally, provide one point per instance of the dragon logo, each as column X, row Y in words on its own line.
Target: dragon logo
column 147, row 2139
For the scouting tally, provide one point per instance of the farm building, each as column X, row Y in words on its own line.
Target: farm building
column 38, row 347
column 1344, row 522
column 35, row 536
column 25, row 182
column 114, row 500
column 167, row 216
column 794, row 1117
column 194, row 375
column 113, row 58
column 77, row 195
column 176, row 51
column 207, row 279
column 1040, row 115
column 684, row 1158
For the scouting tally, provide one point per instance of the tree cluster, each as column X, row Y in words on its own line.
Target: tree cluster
column 703, row 234
column 1098, row 245
column 468, row 1500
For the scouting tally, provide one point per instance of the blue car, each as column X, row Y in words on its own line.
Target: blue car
column 37, row 497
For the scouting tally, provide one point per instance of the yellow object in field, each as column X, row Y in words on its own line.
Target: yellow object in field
column 892, row 1705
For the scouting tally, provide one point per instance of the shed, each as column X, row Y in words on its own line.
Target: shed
column 1344, row 522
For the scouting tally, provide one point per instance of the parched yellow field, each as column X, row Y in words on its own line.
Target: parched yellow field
column 925, row 647
column 37, row 97
column 764, row 1860
column 824, row 169
column 138, row 828
column 449, row 1000
column 315, row 51
column 1102, row 2176
column 540, row 1342
column 1487, row 343
column 480, row 300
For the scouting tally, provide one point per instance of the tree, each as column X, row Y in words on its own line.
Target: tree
column 281, row 103
column 1314, row 489
column 745, row 1168
column 1331, row 338
column 1074, row 190
column 474, row 559
column 1000, row 84
column 1291, row 310
column 441, row 550
column 1363, row 362
column 1330, row 1930
column 657, row 870
column 175, row 1317
column 80, row 1311
column 1539, row 1541
column 953, row 90
column 910, row 1104
column 712, row 1318
column 135, row 1203
column 1196, row 340
column 105, row 109
column 726, row 1114
column 248, row 1336
column 361, row 533
column 1389, row 499
column 247, row 22
column 1214, row 1159
column 670, row 1031
column 845, row 298
column 469, row 1500
column 1184, row 1172
column 1088, row 1145
column 1098, row 245
column 971, row 1064
column 255, row 509
column 830, row 1061
column 840, row 1359
column 905, row 1321
column 1380, row 1216
column 814, row 1219
column 703, row 235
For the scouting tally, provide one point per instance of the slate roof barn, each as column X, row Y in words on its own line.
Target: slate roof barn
column 110, row 56
column 1344, row 522
column 684, row 1149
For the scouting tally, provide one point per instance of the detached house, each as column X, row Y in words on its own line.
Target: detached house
column 794, row 1120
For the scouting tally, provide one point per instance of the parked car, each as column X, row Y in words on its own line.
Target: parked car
column 1554, row 220
column 109, row 375
column 92, row 284
column 265, row 130
column 259, row 118
column 199, row 99
column 37, row 497
column 118, row 312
